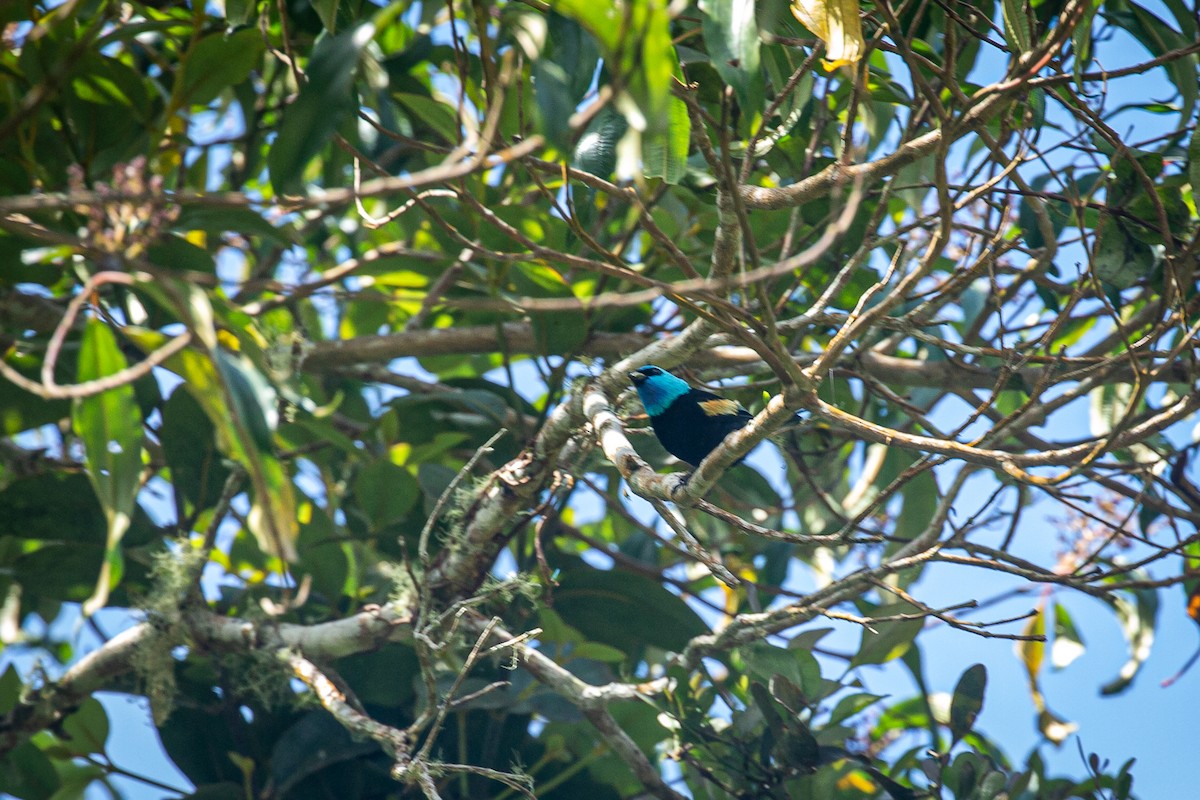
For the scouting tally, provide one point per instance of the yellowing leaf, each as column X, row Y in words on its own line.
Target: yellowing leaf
column 240, row 403
column 837, row 24
column 856, row 780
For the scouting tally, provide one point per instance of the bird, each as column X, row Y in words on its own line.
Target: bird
column 689, row 422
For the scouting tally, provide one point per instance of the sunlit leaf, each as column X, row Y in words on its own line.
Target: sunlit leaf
column 665, row 152
column 1016, row 26
column 835, row 22
column 1032, row 651
column 110, row 426
column 1137, row 611
column 731, row 34
column 240, row 403
column 1068, row 644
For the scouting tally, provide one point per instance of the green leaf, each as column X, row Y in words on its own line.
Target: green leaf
column 914, row 182
column 798, row 666
column 596, row 150
column 29, row 773
column 558, row 332
column 241, row 405
column 177, row 253
column 1059, row 212
column 253, row 399
column 438, row 116
column 1016, row 27
column 1193, row 168
column 852, row 704
column 888, row 640
column 1081, row 41
column 314, row 743
column 386, row 493
column 110, row 426
column 327, row 10
column 552, row 90
column 967, row 701
column 609, row 607
column 384, row 677
column 603, row 20
column 1160, row 39
column 189, row 442
column 575, row 50
column 86, row 730
column 219, row 220
column 665, row 151
column 1109, row 404
column 215, row 63
column 325, row 101
column 199, row 741
column 108, row 82
column 326, row 555
column 920, row 505
column 636, row 42
column 1119, row 259
column 731, row 34
column 10, row 688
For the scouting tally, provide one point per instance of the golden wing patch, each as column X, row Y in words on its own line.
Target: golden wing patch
column 719, row 407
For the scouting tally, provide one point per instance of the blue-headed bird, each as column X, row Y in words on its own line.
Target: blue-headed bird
column 689, row 423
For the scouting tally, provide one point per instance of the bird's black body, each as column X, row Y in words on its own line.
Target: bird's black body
column 690, row 432
column 689, row 423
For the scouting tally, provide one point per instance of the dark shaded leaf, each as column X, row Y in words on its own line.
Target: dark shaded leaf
column 967, row 701
column 890, row 639
column 188, row 439
column 85, row 731
column 27, row 773
column 314, row 743
column 216, row 63
column 199, row 743
column 385, row 493
column 797, row 665
column 325, row 101
column 610, row 607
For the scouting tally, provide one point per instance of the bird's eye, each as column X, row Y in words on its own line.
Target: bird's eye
column 654, row 371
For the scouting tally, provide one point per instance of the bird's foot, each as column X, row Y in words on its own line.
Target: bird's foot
column 681, row 483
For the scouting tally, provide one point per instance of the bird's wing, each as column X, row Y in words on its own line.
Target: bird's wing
column 715, row 406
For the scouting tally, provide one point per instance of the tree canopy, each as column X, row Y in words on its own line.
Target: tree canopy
column 317, row 318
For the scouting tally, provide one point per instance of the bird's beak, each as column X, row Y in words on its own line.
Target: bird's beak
column 637, row 378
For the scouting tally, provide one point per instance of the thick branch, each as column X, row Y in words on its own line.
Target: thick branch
column 328, row 640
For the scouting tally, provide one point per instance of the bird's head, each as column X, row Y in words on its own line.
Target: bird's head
column 657, row 388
